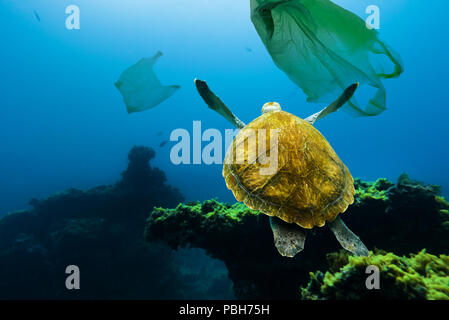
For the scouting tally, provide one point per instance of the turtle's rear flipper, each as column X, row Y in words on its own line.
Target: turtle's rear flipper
column 347, row 238
column 288, row 238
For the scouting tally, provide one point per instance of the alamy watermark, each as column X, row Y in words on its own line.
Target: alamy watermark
column 373, row 20
column 252, row 146
column 373, row 280
column 72, row 22
column 72, row 282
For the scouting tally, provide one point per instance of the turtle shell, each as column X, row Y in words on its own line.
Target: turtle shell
column 309, row 184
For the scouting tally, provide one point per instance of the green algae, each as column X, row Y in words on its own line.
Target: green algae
column 420, row 276
column 198, row 221
column 209, row 210
column 443, row 207
column 444, row 213
column 442, row 202
column 377, row 190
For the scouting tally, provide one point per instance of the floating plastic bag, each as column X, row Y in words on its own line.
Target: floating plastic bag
column 140, row 88
column 324, row 48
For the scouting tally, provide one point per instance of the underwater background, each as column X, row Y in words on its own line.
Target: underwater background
column 64, row 125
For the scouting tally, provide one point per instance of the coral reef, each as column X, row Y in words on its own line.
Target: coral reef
column 124, row 253
column 101, row 231
column 420, row 276
column 401, row 218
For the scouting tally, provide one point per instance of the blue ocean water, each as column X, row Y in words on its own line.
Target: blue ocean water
column 63, row 123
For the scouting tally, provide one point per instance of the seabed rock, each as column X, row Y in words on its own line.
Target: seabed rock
column 420, row 276
column 101, row 231
column 120, row 237
column 401, row 218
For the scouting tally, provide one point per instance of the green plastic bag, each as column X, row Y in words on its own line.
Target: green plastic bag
column 324, row 48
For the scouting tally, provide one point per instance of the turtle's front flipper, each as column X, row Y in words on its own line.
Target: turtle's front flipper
column 288, row 238
column 334, row 106
column 216, row 104
column 347, row 238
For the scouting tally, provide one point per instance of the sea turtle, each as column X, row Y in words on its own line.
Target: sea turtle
column 310, row 184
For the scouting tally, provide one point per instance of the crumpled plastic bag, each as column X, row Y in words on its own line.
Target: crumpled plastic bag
column 140, row 88
column 324, row 48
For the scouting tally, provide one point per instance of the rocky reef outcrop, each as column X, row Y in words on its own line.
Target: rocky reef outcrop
column 101, row 231
column 419, row 276
column 121, row 237
column 401, row 218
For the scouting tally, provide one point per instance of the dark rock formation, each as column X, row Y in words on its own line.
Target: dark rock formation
column 101, row 231
column 402, row 218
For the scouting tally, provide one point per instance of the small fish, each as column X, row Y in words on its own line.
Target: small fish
column 160, row 133
column 163, row 143
column 38, row 18
column 249, row 49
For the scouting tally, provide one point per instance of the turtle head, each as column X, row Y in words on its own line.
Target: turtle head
column 270, row 107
